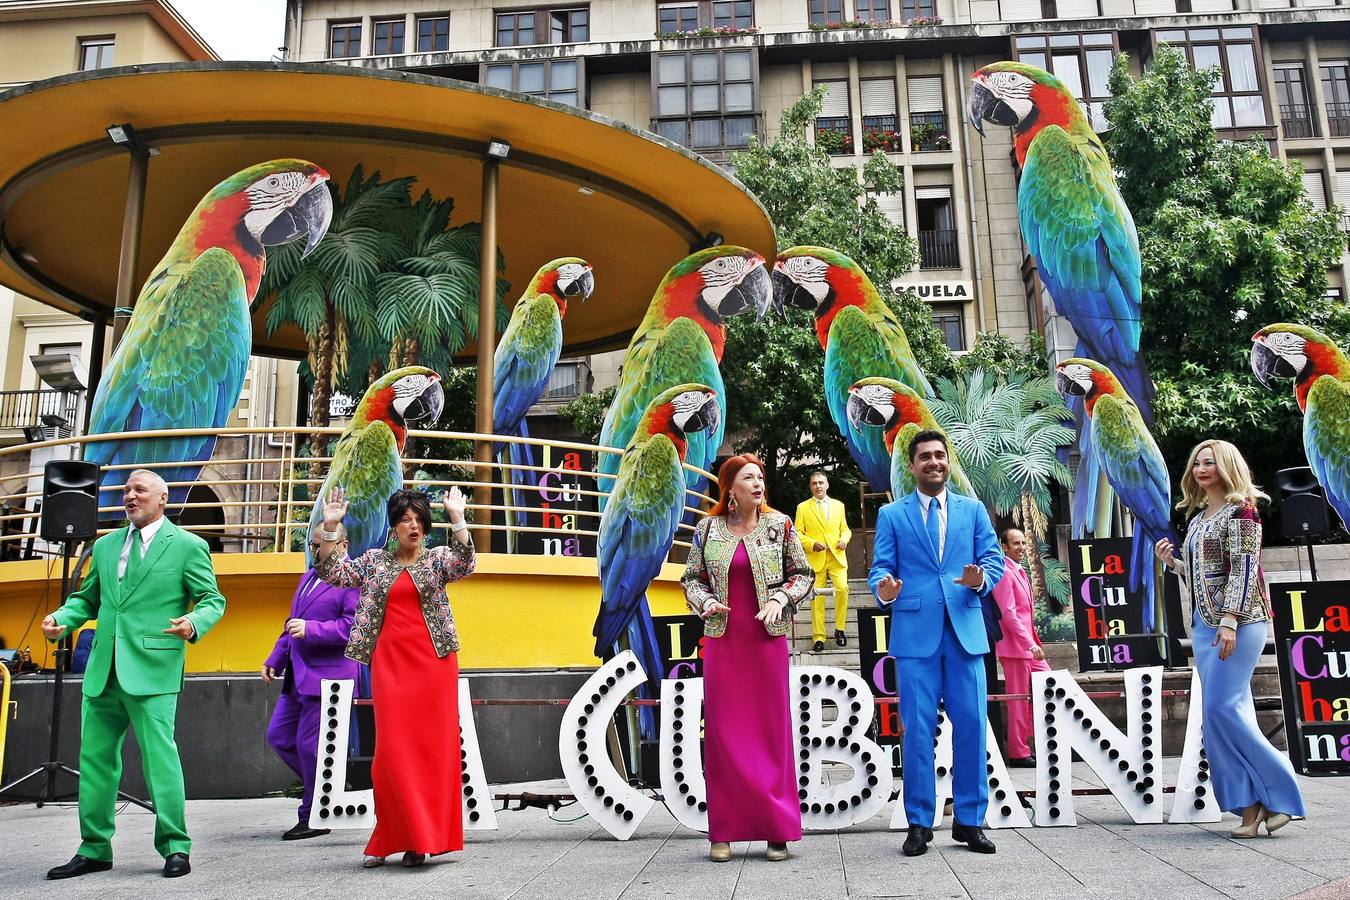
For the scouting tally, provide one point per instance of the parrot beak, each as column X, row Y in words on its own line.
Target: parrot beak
column 427, row 406
column 707, row 418
column 309, row 216
column 1066, row 386
column 754, row 292
column 787, row 292
column 862, row 414
column 1268, row 365
column 584, row 285
column 983, row 107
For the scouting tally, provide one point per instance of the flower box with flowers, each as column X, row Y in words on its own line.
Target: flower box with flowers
column 923, row 21
column 852, row 24
column 833, row 141
column 707, row 31
column 884, row 139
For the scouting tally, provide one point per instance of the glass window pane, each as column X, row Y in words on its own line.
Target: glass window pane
column 1064, row 40
column 1230, row 34
column 1171, row 37
column 526, row 33
column 1242, row 68
column 722, row 14
column 704, row 98
column 703, row 67
column 1066, row 70
column 1097, row 40
column 1030, row 42
column 563, row 76
column 1206, row 56
column 674, row 131
column 670, row 101
column 499, row 77
column 745, row 13
column 707, row 133
column 1204, row 34
column 1249, row 110
column 739, row 98
column 1222, row 116
column 1099, row 71
column 739, row 130
column 1034, row 59
column 568, row 97
column 531, row 77
column 737, row 66
column 667, row 19
column 670, row 69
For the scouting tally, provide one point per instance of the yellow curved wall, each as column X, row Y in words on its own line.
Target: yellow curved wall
column 515, row 612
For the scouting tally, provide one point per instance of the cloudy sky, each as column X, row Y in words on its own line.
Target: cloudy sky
column 239, row 29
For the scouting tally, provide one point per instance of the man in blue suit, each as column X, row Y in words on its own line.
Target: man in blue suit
column 311, row 648
column 936, row 556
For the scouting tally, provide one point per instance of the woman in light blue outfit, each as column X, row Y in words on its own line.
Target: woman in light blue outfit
column 1221, row 563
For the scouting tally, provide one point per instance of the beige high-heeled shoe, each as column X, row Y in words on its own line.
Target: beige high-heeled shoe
column 1244, row 832
column 1276, row 821
column 777, row 852
column 720, row 851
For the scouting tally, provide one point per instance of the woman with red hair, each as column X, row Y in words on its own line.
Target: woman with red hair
column 746, row 574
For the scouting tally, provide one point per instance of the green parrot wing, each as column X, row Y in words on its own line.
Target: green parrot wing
column 1326, row 435
column 526, row 354
column 366, row 463
column 1132, row 461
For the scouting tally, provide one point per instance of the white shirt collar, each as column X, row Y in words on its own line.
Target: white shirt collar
column 148, row 532
column 924, row 499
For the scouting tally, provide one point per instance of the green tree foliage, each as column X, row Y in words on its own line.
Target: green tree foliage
column 587, row 413
column 773, row 369
column 1229, row 244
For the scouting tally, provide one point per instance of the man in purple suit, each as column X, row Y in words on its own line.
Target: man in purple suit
column 310, row 649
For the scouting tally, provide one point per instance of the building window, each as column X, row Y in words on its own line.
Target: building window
column 937, row 228
column 389, row 36
column 433, row 34
column 1081, row 61
column 344, row 40
column 515, row 29
column 874, row 11
column 547, row 26
column 738, row 15
column 927, row 118
column 913, row 9
column 834, row 125
column 1291, row 93
column 826, row 12
column 676, row 17
column 877, row 96
column 1238, row 101
column 891, row 205
column 96, row 53
column 706, row 100
column 570, row 26
column 558, row 80
column 1336, row 93
column 950, row 319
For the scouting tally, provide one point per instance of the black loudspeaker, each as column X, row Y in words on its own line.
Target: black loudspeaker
column 69, row 500
column 1303, row 509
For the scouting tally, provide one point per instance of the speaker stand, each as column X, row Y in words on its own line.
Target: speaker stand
column 54, row 766
column 1312, row 560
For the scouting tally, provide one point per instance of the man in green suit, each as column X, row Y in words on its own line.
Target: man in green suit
column 143, row 577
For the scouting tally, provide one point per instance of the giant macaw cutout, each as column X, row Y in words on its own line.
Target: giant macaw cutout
column 900, row 414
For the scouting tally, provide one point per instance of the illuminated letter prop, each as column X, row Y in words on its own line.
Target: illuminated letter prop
column 832, row 806
column 1195, row 795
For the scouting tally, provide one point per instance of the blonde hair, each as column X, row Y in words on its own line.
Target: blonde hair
column 1237, row 477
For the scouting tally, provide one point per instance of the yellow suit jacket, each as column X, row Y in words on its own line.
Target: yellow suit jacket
column 829, row 531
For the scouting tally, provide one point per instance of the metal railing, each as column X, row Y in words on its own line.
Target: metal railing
column 25, row 409
column 835, row 134
column 932, row 128
column 1296, row 120
column 939, row 250
column 257, row 492
column 1338, row 119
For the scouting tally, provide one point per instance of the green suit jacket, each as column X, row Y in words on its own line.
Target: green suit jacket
column 175, row 578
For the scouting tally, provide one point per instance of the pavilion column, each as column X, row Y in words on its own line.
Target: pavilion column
column 487, row 344
column 132, row 216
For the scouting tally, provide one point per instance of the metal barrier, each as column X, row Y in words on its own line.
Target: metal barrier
column 5, row 714
column 255, row 494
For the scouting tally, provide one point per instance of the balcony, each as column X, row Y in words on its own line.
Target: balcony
column 928, row 132
column 1297, row 121
column 568, row 381
column 22, row 410
column 834, row 135
column 939, row 250
column 1338, row 119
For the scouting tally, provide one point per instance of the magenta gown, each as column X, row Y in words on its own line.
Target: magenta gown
column 747, row 745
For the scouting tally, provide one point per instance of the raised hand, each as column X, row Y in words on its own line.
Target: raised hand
column 51, row 630
column 1165, row 552
column 889, row 588
column 454, row 501
column 334, row 508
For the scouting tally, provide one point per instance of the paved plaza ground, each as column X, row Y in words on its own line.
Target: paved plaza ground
column 238, row 854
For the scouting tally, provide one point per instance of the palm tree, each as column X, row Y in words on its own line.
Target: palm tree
column 1007, row 435
column 331, row 294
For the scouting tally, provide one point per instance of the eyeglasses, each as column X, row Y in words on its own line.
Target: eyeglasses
column 313, row 546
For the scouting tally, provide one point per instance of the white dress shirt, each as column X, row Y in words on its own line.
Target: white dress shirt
column 147, row 534
column 924, row 503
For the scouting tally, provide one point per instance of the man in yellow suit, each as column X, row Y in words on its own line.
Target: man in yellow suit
column 824, row 533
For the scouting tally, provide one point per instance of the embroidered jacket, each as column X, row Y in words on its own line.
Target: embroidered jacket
column 1221, row 563
column 375, row 572
column 777, row 561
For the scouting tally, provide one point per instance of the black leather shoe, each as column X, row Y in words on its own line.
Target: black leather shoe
column 1022, row 762
column 917, row 840
column 302, row 831
column 78, row 865
column 176, row 864
column 973, row 838
column 841, row 639
column 818, row 647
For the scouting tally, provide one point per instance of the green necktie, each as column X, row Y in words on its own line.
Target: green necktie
column 134, row 556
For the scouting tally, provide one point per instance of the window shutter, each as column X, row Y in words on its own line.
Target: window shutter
column 925, row 94
column 878, row 97
column 893, row 205
column 836, row 100
column 1315, row 188
column 1343, row 189
column 1021, row 10
column 933, row 193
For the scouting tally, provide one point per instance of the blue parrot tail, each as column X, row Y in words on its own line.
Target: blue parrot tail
column 522, row 455
column 1145, row 572
column 1088, row 481
column 641, row 639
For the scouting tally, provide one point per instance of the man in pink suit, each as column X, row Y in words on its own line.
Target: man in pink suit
column 311, row 648
column 1019, row 650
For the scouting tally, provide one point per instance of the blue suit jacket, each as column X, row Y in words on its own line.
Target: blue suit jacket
column 328, row 613
column 929, row 590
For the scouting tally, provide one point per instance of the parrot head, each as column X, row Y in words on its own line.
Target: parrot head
column 820, row 279
column 1304, row 354
column 266, row 205
column 681, row 411
column 403, row 396
column 562, row 278
column 884, row 403
column 1023, row 97
column 717, row 283
column 1088, row 379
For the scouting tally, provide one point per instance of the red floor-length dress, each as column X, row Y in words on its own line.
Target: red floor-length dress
column 747, row 749
column 417, row 766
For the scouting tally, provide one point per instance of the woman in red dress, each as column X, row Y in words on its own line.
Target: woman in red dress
column 404, row 630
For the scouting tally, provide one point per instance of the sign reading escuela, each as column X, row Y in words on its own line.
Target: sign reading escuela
column 1312, row 646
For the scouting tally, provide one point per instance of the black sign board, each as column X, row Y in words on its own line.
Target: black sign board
column 1312, row 646
column 1109, row 615
column 679, row 640
column 557, row 507
column 878, row 670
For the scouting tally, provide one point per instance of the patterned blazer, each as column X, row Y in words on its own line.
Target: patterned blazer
column 1221, row 563
column 777, row 561
column 375, row 572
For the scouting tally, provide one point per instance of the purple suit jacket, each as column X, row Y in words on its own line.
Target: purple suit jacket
column 328, row 613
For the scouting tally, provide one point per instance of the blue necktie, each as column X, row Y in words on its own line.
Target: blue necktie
column 934, row 526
